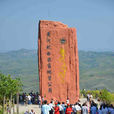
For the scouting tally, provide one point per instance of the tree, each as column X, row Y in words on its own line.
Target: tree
column 9, row 87
column 105, row 96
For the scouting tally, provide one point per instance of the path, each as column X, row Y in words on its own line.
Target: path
column 24, row 108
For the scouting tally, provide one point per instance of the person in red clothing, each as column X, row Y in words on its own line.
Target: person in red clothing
column 56, row 109
column 69, row 109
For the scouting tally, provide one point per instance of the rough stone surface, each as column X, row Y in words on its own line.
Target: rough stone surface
column 58, row 61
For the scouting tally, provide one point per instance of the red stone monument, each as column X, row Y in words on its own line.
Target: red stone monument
column 58, row 61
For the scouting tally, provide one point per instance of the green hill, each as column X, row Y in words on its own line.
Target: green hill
column 96, row 68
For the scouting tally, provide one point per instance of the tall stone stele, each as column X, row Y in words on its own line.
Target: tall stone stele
column 58, row 62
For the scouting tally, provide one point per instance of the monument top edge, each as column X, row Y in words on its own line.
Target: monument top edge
column 52, row 24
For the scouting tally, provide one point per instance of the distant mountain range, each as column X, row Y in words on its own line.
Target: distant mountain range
column 96, row 68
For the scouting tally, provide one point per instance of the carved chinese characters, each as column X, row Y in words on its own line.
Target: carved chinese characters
column 49, row 62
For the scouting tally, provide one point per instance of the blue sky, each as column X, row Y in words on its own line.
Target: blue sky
column 93, row 19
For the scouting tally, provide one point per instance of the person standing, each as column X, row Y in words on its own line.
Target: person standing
column 99, row 111
column 27, row 112
column 64, row 108
column 39, row 101
column 88, row 96
column 29, row 99
column 77, row 108
column 45, row 108
column 111, row 109
column 61, row 110
column 51, row 107
column 93, row 109
column 42, row 99
column 69, row 109
column 56, row 109
column 104, row 109
column 84, row 109
column 67, row 101
column 32, row 112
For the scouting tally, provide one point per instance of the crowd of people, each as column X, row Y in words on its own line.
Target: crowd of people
column 56, row 107
column 30, row 98
column 89, row 107
column 31, row 112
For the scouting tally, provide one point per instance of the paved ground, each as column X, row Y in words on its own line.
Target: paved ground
column 24, row 108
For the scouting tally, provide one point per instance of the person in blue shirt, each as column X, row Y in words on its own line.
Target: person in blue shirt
column 93, row 109
column 45, row 108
